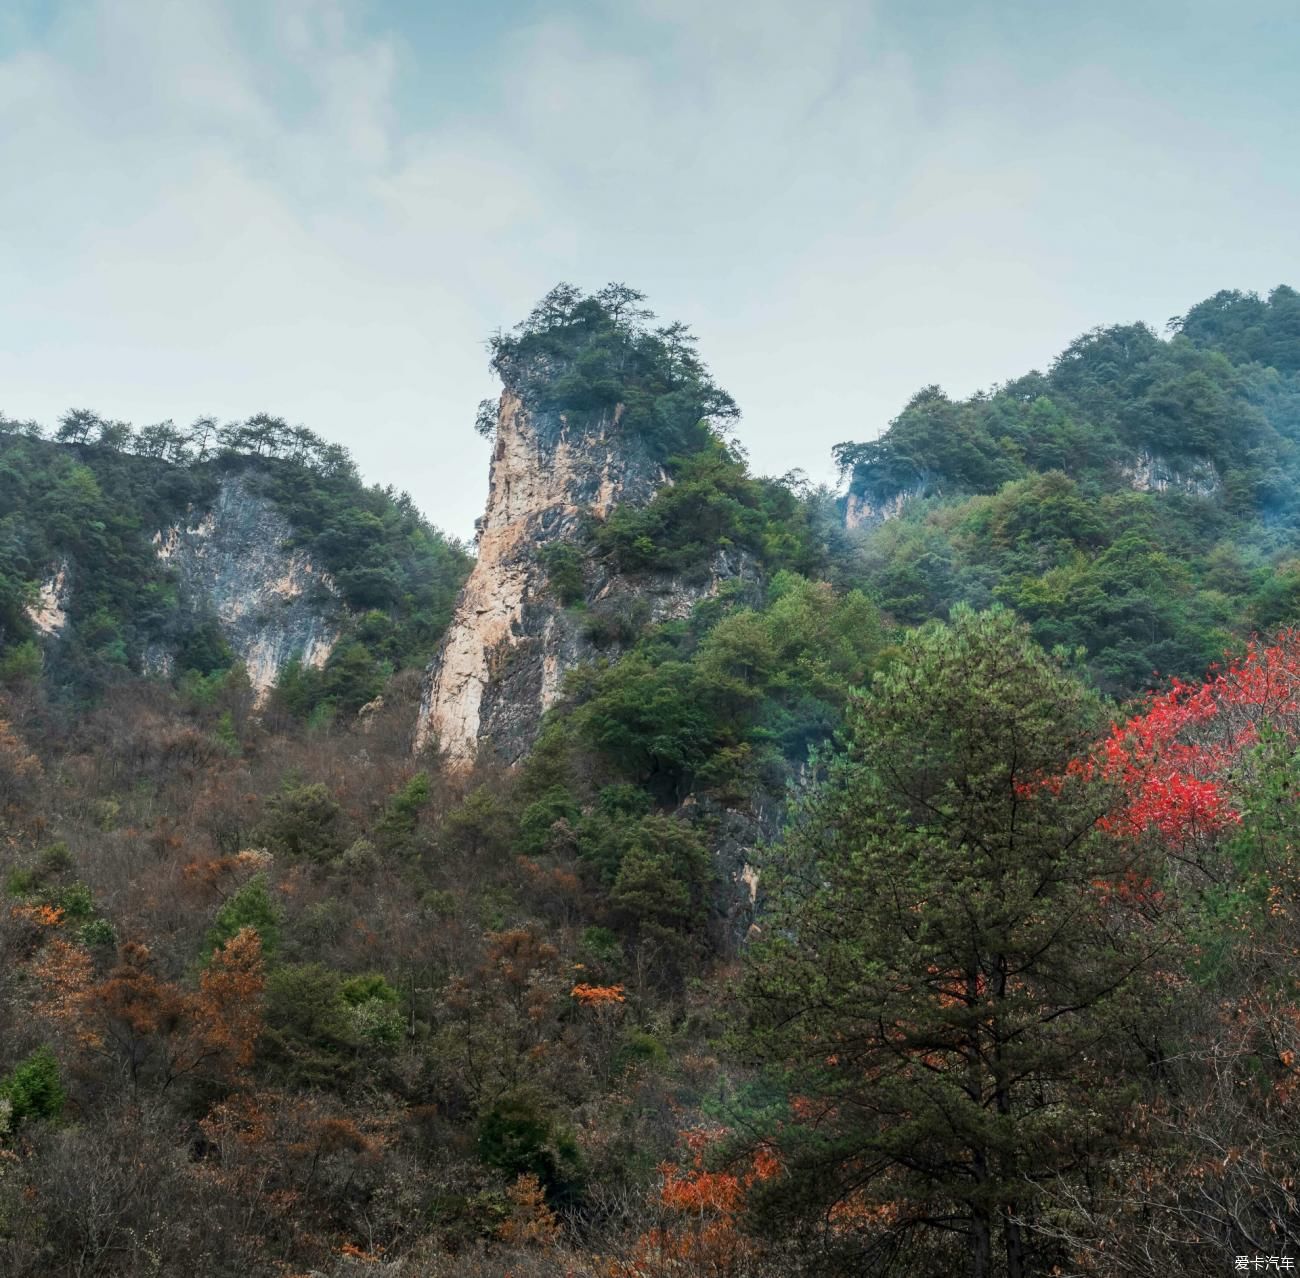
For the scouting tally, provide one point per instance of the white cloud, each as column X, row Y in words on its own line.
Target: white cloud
column 232, row 207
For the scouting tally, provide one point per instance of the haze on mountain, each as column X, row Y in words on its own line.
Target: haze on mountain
column 318, row 209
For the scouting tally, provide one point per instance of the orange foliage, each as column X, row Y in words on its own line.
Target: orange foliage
column 531, row 1222
column 63, row 973
column 224, row 873
column 701, row 1237
column 353, row 1252
column 597, row 995
column 154, row 1022
column 41, row 915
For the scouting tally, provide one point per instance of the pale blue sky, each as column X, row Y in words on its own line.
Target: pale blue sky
column 320, row 208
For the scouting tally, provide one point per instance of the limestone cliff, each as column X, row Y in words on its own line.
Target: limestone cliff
column 49, row 614
column 861, row 511
column 233, row 563
column 1151, row 473
column 512, row 638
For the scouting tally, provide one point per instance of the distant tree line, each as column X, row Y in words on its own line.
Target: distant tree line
column 262, row 435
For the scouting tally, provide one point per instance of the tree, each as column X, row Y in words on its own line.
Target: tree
column 76, row 425
column 162, row 440
column 200, row 435
column 115, row 435
column 621, row 304
column 947, row 973
column 32, row 1088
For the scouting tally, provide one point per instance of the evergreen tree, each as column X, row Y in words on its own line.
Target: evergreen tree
column 951, row 964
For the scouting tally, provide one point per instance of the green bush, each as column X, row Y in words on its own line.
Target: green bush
column 33, row 1089
column 517, row 1135
column 304, row 821
column 253, row 907
column 396, row 828
column 563, row 564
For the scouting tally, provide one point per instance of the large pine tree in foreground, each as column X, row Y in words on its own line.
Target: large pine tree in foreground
column 954, row 966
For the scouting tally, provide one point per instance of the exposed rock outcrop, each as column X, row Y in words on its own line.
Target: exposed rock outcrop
column 1149, row 473
column 512, row 639
column 49, row 614
column 271, row 602
column 863, row 511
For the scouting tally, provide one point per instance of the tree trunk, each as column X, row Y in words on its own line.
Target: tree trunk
column 981, row 1245
column 1015, row 1243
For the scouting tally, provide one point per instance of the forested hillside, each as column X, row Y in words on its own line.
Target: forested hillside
column 1140, row 498
column 884, row 915
column 85, row 509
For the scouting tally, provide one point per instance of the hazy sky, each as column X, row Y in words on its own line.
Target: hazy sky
column 320, row 208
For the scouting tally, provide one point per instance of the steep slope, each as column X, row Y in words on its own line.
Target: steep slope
column 235, row 564
column 516, row 630
column 591, row 408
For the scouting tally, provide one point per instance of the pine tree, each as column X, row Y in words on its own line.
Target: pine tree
column 948, row 975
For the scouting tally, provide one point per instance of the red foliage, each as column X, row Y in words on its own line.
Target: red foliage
column 1172, row 759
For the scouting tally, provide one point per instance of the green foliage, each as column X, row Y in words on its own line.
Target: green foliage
column 251, row 906
column 97, row 932
column 563, row 564
column 758, row 683
column 33, row 1089
column 1139, row 499
column 1248, row 329
column 663, row 879
column 936, row 960
column 76, row 902
column 594, row 358
column 396, row 829
column 304, row 821
column 712, row 505
column 204, row 650
column 481, row 828
column 539, row 819
column 88, row 512
column 518, row 1136
column 21, row 663
column 370, row 987
column 312, row 1031
column 88, row 504
column 375, row 1016
column 52, row 862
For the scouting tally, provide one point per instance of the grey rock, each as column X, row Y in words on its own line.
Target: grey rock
column 233, row 563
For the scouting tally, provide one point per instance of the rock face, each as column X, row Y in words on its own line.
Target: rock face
column 861, row 511
column 49, row 614
column 1149, row 473
column 511, row 639
column 271, row 603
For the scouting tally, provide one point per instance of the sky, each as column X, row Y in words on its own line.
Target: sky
column 322, row 208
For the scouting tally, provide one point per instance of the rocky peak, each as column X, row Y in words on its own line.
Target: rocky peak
column 512, row 638
column 594, row 400
column 544, row 480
